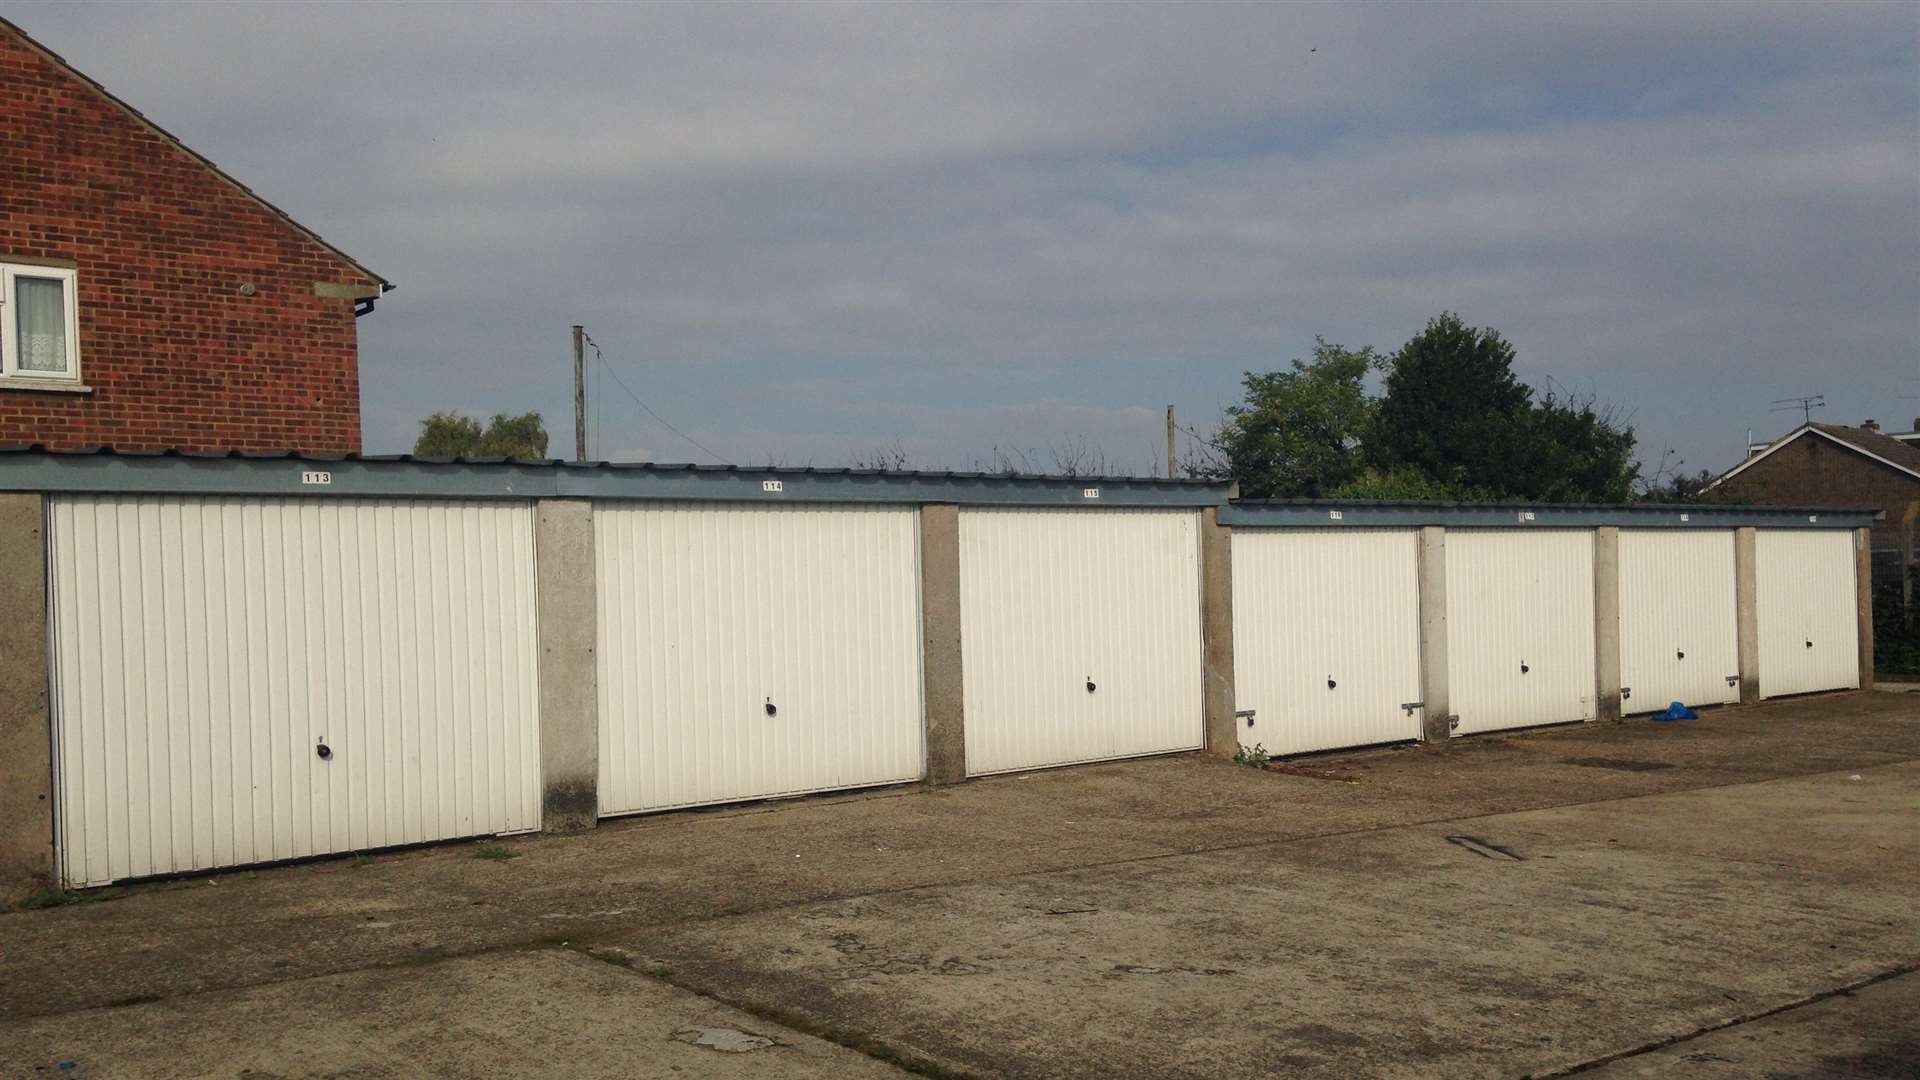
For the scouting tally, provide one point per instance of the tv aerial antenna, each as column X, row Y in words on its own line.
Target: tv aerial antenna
column 1806, row 405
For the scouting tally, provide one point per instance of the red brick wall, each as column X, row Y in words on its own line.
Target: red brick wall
column 175, row 355
column 1813, row 471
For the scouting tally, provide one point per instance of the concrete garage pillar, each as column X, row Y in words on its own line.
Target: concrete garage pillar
column 26, row 737
column 1436, row 724
column 1606, row 622
column 940, row 643
column 1863, row 586
column 1746, row 579
column 569, row 691
column 1216, row 626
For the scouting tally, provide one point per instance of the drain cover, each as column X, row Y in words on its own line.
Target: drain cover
column 1617, row 764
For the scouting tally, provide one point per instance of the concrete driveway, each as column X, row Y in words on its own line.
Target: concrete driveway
column 1728, row 897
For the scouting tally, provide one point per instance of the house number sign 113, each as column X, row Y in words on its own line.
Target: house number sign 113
column 311, row 477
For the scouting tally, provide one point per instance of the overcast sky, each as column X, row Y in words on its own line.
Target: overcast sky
column 806, row 231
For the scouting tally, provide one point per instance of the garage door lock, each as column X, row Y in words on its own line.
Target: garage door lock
column 1409, row 706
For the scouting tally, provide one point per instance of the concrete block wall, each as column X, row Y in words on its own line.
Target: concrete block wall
column 941, row 663
column 569, row 687
column 26, row 736
column 1216, row 604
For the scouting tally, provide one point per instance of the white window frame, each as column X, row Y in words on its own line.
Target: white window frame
column 12, row 376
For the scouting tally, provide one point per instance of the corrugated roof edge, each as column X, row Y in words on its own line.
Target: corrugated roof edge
column 35, row 468
column 290, row 473
column 1273, row 513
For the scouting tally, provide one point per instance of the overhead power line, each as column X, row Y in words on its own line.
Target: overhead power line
column 607, row 368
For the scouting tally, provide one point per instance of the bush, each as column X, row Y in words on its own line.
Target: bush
column 1896, row 647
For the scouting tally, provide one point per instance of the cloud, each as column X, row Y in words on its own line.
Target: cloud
column 805, row 231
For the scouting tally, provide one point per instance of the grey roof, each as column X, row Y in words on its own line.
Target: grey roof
column 1877, row 443
column 35, row 468
column 1361, row 513
column 291, row 474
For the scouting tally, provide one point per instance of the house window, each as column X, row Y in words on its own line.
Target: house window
column 39, row 325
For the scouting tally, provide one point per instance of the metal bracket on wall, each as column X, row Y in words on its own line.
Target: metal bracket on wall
column 1409, row 706
column 1626, row 692
column 1453, row 723
column 1246, row 714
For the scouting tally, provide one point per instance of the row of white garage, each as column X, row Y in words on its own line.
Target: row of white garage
column 1327, row 626
column 248, row 679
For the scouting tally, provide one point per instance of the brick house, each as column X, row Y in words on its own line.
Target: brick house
column 149, row 300
column 1830, row 465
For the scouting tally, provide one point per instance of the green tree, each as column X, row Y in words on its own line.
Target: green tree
column 1451, row 406
column 449, row 434
column 1567, row 450
column 1455, row 412
column 1679, row 487
column 1299, row 432
column 1408, row 484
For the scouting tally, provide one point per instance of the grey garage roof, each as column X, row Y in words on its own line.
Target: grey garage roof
column 402, row 475
column 172, row 472
column 1328, row 513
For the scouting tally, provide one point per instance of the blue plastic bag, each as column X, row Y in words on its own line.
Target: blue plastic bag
column 1676, row 711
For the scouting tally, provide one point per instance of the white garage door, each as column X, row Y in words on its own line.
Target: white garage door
column 1679, row 626
column 1326, row 637
column 1806, row 605
column 1519, row 627
column 754, row 651
column 1080, row 633
column 244, row 680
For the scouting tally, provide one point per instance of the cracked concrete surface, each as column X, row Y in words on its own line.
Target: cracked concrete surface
column 551, row 1012
column 1503, row 906
column 1392, row 953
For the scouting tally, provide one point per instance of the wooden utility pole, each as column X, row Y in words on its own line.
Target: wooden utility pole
column 579, row 393
column 1169, row 442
